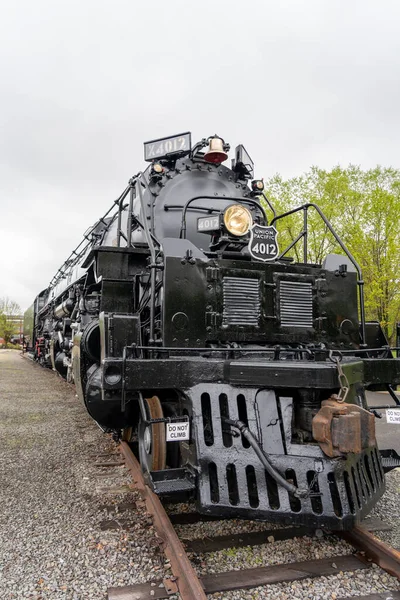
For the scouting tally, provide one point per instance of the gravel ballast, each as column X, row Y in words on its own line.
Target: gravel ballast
column 52, row 497
column 55, row 505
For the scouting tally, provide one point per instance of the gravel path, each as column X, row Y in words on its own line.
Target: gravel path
column 52, row 496
column 54, row 502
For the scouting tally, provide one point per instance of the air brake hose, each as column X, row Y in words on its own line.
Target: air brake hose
column 266, row 460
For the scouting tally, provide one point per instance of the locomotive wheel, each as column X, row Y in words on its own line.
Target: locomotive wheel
column 151, row 438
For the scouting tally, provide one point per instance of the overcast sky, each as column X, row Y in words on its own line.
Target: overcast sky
column 84, row 83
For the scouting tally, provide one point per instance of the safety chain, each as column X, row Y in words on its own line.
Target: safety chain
column 343, row 381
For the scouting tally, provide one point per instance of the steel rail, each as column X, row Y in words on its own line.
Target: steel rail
column 382, row 554
column 189, row 585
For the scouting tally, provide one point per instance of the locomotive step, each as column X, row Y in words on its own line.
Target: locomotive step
column 171, row 481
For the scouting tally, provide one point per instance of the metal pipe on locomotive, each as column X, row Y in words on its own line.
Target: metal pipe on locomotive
column 238, row 375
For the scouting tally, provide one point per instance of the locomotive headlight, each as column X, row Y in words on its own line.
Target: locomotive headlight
column 237, row 220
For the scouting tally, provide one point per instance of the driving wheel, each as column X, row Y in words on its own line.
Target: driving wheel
column 151, row 438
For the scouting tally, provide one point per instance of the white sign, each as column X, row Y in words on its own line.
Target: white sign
column 176, row 432
column 393, row 415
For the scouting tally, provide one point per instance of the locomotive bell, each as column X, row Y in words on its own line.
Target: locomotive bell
column 215, row 153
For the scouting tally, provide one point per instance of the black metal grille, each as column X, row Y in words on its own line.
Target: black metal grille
column 233, row 481
column 242, row 305
column 295, row 304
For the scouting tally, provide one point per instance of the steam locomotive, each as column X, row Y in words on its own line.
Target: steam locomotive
column 237, row 374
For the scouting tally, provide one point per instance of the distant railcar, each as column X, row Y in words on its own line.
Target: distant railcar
column 238, row 375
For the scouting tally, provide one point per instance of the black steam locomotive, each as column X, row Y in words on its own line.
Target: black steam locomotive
column 238, row 375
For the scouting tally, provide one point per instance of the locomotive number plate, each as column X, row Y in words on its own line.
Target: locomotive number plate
column 263, row 244
column 176, row 432
column 208, row 224
column 393, row 416
column 176, row 144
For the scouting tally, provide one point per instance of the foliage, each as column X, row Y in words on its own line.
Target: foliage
column 8, row 309
column 364, row 209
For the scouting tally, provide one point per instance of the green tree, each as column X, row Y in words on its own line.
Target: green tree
column 364, row 209
column 9, row 310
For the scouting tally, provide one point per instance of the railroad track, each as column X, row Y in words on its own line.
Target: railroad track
column 368, row 549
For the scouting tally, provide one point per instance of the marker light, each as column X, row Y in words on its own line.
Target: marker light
column 237, row 220
column 157, row 168
column 257, row 185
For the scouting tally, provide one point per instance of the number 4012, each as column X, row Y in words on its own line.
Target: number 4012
column 262, row 248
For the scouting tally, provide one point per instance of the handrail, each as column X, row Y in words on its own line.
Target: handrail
column 119, row 207
column 304, row 234
column 80, row 249
column 268, row 201
column 168, row 207
column 153, row 263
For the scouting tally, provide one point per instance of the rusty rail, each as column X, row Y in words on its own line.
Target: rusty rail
column 380, row 553
column 188, row 584
column 190, row 587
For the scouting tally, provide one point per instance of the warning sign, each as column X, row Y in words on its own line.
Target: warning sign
column 393, row 415
column 176, row 432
